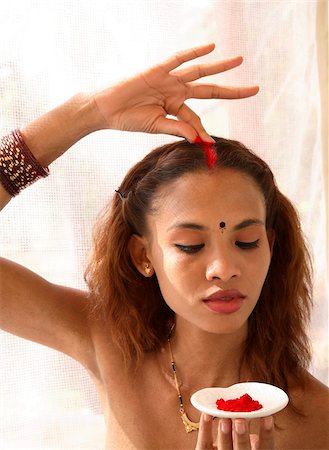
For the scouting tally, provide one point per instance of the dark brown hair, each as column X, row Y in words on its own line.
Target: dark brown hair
column 277, row 346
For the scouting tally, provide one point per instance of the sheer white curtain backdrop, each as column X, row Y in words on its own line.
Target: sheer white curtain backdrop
column 51, row 50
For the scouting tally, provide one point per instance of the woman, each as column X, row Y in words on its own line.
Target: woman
column 187, row 273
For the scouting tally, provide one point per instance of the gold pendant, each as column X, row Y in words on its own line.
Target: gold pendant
column 188, row 424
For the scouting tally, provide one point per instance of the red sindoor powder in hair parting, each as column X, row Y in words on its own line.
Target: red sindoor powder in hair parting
column 242, row 404
column 209, row 150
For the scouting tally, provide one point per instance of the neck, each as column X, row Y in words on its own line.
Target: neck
column 206, row 359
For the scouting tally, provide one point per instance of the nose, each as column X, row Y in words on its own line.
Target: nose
column 222, row 266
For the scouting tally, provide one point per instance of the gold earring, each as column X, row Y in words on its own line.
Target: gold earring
column 148, row 269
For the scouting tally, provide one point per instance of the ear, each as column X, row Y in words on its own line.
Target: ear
column 271, row 239
column 137, row 247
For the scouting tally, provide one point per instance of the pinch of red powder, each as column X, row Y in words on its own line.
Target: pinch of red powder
column 209, row 150
column 242, row 404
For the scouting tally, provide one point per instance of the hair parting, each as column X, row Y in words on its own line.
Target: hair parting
column 209, row 150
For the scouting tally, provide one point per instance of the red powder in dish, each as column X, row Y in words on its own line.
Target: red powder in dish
column 243, row 404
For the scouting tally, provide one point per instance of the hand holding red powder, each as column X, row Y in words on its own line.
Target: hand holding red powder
column 143, row 102
column 234, row 434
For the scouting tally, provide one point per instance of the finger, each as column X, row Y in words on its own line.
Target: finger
column 197, row 90
column 175, row 127
column 241, row 438
column 186, row 55
column 203, row 70
column 224, row 436
column 254, row 441
column 204, row 441
column 266, row 433
column 186, row 115
column 188, row 125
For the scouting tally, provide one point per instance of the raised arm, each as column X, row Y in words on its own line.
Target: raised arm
column 141, row 103
column 56, row 316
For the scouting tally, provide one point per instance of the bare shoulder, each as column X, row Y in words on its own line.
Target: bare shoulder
column 308, row 428
column 315, row 398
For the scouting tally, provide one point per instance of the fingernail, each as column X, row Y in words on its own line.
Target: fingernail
column 240, row 427
column 268, row 423
column 207, row 418
column 205, row 140
column 225, row 426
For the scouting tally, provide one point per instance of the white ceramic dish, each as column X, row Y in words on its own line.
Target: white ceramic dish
column 271, row 397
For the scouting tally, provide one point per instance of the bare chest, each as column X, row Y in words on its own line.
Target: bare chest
column 141, row 409
column 144, row 415
column 142, row 412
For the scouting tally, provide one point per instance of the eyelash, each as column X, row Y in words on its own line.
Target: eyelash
column 190, row 249
column 247, row 245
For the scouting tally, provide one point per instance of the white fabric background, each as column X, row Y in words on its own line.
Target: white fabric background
column 51, row 50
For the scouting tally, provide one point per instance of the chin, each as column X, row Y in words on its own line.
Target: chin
column 225, row 327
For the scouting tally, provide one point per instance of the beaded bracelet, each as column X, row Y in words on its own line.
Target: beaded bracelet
column 18, row 166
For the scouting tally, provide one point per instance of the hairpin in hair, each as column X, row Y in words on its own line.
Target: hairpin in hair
column 120, row 194
column 209, row 149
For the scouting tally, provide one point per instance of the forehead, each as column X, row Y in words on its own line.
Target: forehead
column 226, row 194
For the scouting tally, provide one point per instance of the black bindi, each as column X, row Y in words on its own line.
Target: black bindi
column 222, row 226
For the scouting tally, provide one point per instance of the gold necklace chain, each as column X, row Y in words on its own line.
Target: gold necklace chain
column 188, row 424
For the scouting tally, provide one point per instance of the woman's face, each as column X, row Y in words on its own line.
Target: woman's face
column 209, row 248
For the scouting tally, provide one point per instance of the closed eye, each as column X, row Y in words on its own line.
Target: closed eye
column 189, row 248
column 247, row 245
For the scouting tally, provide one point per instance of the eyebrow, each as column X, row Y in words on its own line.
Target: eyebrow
column 189, row 225
column 248, row 223
column 195, row 226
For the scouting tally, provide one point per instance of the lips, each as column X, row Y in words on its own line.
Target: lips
column 225, row 302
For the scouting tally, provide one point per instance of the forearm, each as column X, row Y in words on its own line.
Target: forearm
column 50, row 135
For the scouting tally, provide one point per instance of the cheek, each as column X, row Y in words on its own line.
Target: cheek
column 175, row 275
column 258, row 269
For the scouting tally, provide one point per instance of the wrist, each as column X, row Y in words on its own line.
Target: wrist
column 85, row 114
column 18, row 166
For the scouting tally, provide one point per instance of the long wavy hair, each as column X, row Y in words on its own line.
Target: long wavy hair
column 277, row 347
